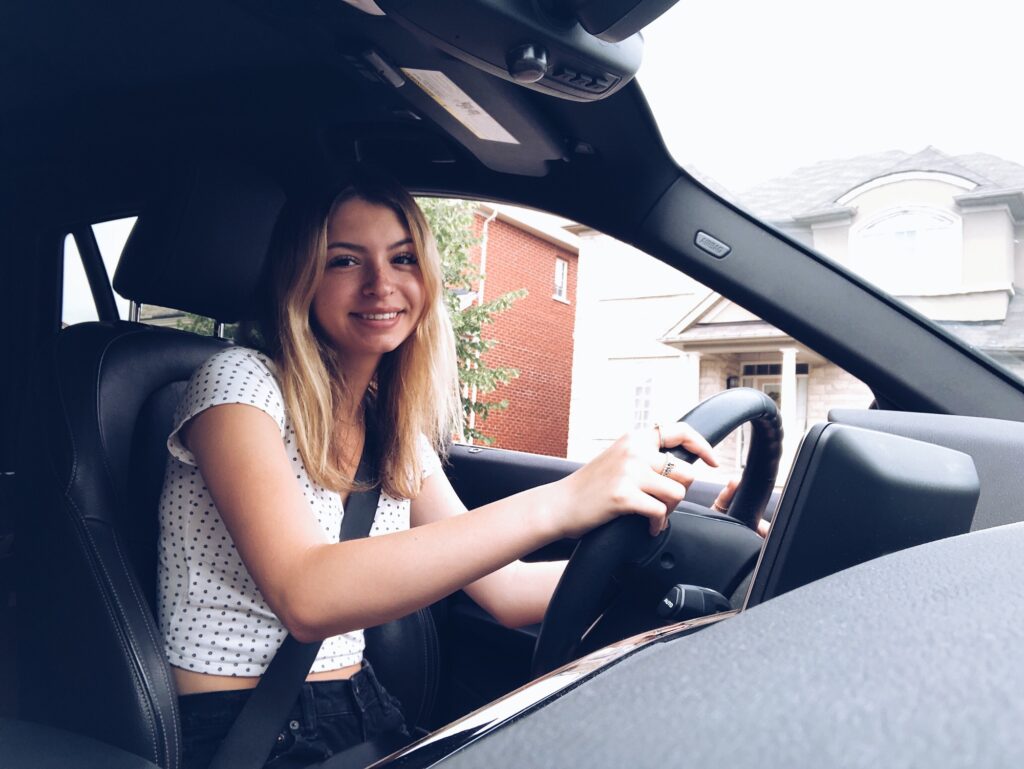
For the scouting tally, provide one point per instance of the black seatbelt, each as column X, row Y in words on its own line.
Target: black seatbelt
column 254, row 732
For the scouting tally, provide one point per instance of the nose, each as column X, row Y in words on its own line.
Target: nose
column 378, row 279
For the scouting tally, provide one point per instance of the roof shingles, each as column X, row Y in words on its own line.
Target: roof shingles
column 818, row 186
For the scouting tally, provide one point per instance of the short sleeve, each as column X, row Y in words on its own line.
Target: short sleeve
column 430, row 463
column 234, row 375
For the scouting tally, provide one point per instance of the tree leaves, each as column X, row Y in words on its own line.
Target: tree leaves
column 453, row 224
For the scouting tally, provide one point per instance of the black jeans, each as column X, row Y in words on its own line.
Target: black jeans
column 328, row 717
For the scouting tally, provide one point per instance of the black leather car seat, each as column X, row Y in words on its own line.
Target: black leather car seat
column 91, row 657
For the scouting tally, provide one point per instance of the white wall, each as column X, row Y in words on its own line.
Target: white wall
column 625, row 301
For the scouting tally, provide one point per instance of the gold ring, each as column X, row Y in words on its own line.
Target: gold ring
column 718, row 508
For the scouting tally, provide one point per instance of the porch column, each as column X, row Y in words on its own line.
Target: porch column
column 789, row 408
column 692, row 389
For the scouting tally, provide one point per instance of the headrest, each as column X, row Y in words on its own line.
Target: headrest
column 201, row 246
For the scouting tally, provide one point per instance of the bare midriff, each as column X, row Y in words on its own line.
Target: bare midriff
column 190, row 682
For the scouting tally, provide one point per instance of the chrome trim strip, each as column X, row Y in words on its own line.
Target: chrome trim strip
column 457, row 735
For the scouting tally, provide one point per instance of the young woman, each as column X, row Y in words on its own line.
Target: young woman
column 263, row 456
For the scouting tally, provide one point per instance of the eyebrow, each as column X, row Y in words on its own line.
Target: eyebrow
column 357, row 247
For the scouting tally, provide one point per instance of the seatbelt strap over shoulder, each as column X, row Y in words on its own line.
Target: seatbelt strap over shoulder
column 254, row 732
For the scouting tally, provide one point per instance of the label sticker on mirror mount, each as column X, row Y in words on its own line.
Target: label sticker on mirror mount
column 711, row 245
column 460, row 105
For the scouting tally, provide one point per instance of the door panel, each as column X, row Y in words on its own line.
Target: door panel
column 482, row 659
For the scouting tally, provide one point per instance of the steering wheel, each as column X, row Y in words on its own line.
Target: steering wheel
column 582, row 594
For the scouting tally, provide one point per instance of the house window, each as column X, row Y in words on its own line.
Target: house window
column 910, row 251
column 642, row 403
column 561, row 280
column 771, row 369
column 767, row 377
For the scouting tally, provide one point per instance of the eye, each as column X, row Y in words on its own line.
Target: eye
column 406, row 257
column 342, row 261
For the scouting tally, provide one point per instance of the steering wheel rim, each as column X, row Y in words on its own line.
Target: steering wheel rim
column 582, row 593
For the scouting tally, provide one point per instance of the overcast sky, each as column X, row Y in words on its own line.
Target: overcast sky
column 746, row 90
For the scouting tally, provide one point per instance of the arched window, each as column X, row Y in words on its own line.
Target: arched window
column 910, row 250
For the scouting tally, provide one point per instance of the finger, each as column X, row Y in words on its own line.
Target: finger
column 660, row 523
column 724, row 498
column 669, row 466
column 653, row 499
column 667, row 491
column 643, row 495
column 681, row 434
column 763, row 527
column 654, row 510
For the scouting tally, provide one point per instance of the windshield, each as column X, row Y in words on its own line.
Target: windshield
column 885, row 135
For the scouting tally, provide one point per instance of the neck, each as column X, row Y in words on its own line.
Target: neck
column 350, row 410
column 359, row 372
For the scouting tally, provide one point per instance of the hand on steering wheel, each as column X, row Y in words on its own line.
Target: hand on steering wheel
column 724, row 499
column 580, row 597
column 633, row 475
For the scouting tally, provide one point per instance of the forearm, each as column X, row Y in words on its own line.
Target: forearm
column 381, row 578
column 518, row 594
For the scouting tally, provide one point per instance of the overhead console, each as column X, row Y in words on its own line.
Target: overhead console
column 495, row 122
column 581, row 50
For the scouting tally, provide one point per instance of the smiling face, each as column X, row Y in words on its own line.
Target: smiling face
column 371, row 296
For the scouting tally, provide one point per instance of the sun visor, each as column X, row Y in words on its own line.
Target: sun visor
column 494, row 121
column 202, row 244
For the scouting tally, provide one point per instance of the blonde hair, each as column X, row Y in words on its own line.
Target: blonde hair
column 415, row 390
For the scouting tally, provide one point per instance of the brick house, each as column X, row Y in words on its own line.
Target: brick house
column 520, row 249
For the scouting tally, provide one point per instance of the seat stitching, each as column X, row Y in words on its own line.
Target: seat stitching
column 106, row 595
column 162, row 670
column 71, row 434
column 155, row 718
column 99, row 366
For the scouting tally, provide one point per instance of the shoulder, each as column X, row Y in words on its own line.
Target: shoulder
column 232, row 362
column 430, row 462
column 234, row 375
column 237, row 375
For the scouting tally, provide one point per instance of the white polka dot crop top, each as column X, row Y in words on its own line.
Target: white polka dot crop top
column 212, row 615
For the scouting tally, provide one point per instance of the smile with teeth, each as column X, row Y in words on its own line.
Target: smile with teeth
column 377, row 315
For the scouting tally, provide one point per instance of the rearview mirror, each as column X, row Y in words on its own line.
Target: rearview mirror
column 614, row 20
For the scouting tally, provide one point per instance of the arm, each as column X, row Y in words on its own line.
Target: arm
column 517, row 594
column 242, row 459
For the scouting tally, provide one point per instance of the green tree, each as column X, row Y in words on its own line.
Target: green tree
column 200, row 324
column 452, row 223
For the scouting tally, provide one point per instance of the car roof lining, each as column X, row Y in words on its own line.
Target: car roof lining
column 143, row 75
